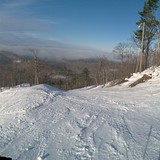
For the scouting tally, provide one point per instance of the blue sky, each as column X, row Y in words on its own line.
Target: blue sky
column 67, row 28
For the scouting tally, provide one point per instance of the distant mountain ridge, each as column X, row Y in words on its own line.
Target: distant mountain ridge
column 7, row 57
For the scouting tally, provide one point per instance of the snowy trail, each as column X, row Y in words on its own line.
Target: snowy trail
column 87, row 124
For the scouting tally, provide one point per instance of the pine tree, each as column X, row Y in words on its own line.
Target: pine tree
column 148, row 19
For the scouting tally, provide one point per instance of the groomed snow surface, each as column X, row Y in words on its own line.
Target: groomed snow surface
column 94, row 123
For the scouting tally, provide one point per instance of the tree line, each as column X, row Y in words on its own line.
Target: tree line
column 66, row 75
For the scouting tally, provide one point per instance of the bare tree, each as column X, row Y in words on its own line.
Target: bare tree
column 121, row 51
column 101, row 70
column 34, row 52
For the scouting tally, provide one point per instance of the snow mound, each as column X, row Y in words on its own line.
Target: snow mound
column 46, row 88
column 26, row 98
column 153, row 72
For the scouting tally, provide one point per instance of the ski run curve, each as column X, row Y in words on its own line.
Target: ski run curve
column 94, row 123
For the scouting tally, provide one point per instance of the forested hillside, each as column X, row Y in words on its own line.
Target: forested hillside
column 64, row 74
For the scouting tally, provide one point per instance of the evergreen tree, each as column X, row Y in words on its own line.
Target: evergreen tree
column 148, row 18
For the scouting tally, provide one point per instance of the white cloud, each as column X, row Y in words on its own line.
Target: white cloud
column 20, row 43
column 55, row 53
column 16, row 3
column 16, row 21
column 15, row 17
column 19, row 33
column 9, row 23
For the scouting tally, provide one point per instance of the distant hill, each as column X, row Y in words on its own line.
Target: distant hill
column 7, row 57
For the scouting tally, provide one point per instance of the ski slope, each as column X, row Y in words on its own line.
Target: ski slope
column 94, row 123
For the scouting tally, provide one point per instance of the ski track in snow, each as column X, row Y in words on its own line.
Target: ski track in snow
column 43, row 123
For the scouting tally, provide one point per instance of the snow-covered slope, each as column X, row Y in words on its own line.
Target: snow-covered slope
column 112, row 123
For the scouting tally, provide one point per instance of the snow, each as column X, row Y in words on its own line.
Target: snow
column 93, row 123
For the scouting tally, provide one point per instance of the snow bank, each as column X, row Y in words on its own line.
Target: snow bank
column 153, row 72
